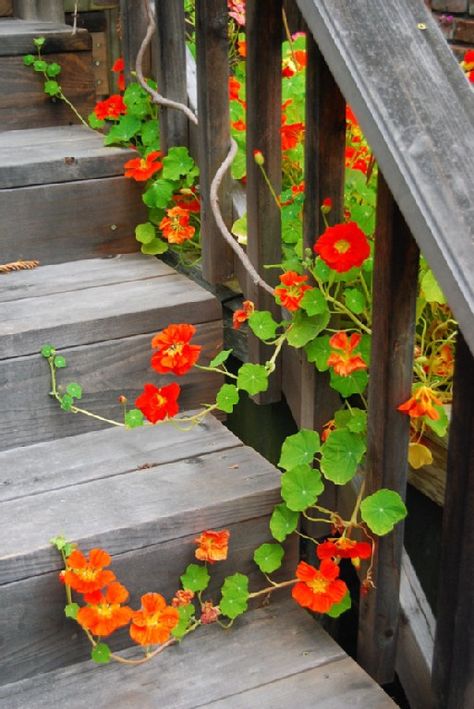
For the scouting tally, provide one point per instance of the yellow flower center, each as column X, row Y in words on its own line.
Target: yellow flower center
column 319, row 584
column 160, row 400
column 342, row 246
column 143, row 164
column 176, row 348
column 86, row 574
column 105, row 610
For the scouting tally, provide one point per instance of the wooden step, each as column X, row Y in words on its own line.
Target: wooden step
column 101, row 314
column 272, row 658
column 143, row 495
column 79, row 203
column 23, row 103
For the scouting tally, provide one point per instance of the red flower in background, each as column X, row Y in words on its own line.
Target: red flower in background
column 188, row 200
column 291, row 135
column 318, row 589
column 343, row 246
column 119, row 68
column 112, row 107
column 174, row 352
column 241, row 316
column 105, row 614
column 175, row 227
column 234, row 88
column 344, row 548
column 141, row 169
column 213, row 546
column 153, row 623
column 87, row 574
column 344, row 361
column 159, row 404
column 421, row 404
column 292, row 291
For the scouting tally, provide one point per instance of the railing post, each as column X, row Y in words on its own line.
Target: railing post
column 47, row 10
column 213, row 132
column 453, row 662
column 395, row 290
column 263, row 36
column 133, row 24
column 171, row 71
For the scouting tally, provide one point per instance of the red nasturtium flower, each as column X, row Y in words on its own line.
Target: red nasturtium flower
column 234, row 88
column 105, row 614
column 291, row 135
column 118, row 67
column 141, row 169
column 153, row 623
column 175, row 226
column 213, row 546
column 468, row 61
column 242, row 315
column 187, row 199
column 344, row 361
column 88, row 574
column 344, row 548
column 112, row 107
column 421, row 404
column 174, row 352
column 318, row 589
column 159, row 404
column 328, row 427
column 292, row 290
column 343, row 246
column 242, row 47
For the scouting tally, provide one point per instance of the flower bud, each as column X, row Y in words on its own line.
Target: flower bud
column 258, row 157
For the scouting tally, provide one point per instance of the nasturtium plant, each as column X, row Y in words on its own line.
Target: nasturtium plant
column 252, row 378
column 299, row 449
column 227, row 397
column 263, row 325
column 269, row 557
column 235, row 595
column 301, row 487
column 382, row 511
column 283, row 522
column 341, row 456
column 195, row 578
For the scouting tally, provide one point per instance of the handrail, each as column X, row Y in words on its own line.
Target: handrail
column 417, row 112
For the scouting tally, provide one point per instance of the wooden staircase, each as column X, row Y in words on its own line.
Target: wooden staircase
column 142, row 494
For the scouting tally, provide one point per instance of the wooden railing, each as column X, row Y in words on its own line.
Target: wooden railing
column 390, row 62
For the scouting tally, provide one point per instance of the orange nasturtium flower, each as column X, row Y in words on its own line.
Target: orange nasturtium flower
column 421, row 404
column 159, row 404
column 292, row 290
column 242, row 315
column 443, row 362
column 344, row 361
column 291, row 135
column 118, row 67
column 175, row 227
column 318, row 589
column 112, row 107
column 87, row 575
column 174, row 352
column 141, row 169
column 213, row 546
column 153, row 623
column 344, row 548
column 105, row 614
column 343, row 246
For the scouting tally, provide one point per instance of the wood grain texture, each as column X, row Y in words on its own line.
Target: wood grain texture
column 131, row 510
column 133, row 24
column 50, row 10
column 213, row 131
column 99, row 313
column 453, row 662
column 23, row 103
column 6, row 8
column 106, row 370
column 171, row 71
column 69, row 221
column 16, row 37
column 263, row 95
column 41, row 639
column 423, row 139
column 393, row 327
column 59, row 154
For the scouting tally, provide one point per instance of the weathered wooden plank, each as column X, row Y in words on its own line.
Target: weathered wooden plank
column 106, row 370
column 50, row 10
column 214, row 132
column 51, row 641
column 423, row 140
column 68, row 221
column 231, row 655
column 263, row 95
column 337, row 683
column 16, row 37
column 58, row 154
column 99, row 313
column 23, row 103
column 133, row 24
column 171, row 70
column 77, row 459
column 78, row 275
column 6, row 8
column 391, row 371
column 135, row 509
column 453, row 663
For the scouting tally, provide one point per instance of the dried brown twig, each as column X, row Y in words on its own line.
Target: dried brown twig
column 218, row 177
column 18, row 266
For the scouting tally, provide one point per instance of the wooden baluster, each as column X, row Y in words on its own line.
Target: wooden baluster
column 133, row 24
column 171, row 71
column 264, row 35
column 453, row 663
column 213, row 132
column 47, row 10
column 394, row 298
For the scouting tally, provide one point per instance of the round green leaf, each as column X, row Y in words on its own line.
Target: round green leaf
column 39, row 41
column 178, row 162
column 355, row 300
column 71, row 610
column 339, row 608
column 52, row 88
column 283, row 522
column 299, row 449
column 159, row 194
column 48, row 350
column 60, row 362
column 314, row 302
column 263, row 325
column 235, row 595
column 301, row 487
column 29, row 59
column 440, row 426
column 67, row 402
column 430, row 289
column 341, row 455
column 155, row 247
column 269, row 557
column 185, row 615
column 75, row 390
column 382, row 510
column 195, row 578
column 94, row 122
column 355, row 383
column 220, row 358
column 144, row 233
column 304, row 328
column 318, row 351
column 101, row 653
column 252, row 378
column 40, row 65
column 53, row 69
column 134, row 418
column 227, row 397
